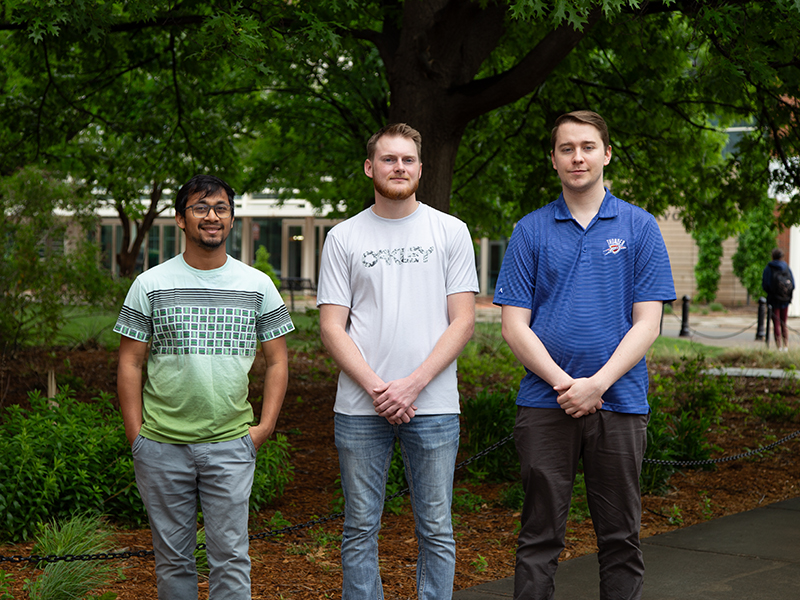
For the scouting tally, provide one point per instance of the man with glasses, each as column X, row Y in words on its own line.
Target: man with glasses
column 190, row 424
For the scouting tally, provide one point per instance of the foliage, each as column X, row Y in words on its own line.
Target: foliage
column 755, row 245
column 64, row 456
column 80, row 534
column 487, row 362
column 396, row 481
column 466, row 501
column 5, row 586
column 200, row 553
column 46, row 263
column 61, row 457
column 682, row 409
column 262, row 264
column 273, row 471
column 709, row 256
column 489, row 418
column 122, row 97
column 775, row 408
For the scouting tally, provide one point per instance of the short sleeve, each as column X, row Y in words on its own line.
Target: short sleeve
column 653, row 273
column 334, row 276
column 273, row 320
column 462, row 276
column 516, row 281
column 135, row 318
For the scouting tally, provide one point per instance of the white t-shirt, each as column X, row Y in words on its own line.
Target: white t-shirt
column 395, row 275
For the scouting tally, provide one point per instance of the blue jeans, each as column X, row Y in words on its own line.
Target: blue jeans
column 429, row 445
column 170, row 477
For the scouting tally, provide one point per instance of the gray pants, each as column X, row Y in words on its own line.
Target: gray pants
column 550, row 443
column 170, row 478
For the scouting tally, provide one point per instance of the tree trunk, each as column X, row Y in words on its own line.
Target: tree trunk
column 129, row 251
column 432, row 61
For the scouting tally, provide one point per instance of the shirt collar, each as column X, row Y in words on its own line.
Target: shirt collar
column 608, row 209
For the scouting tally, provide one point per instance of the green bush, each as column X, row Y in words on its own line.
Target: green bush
column 61, row 457
column 81, row 534
column 682, row 409
column 262, row 264
column 487, row 362
column 273, row 471
column 5, row 586
column 488, row 418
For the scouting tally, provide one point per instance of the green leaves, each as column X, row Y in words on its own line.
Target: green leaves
column 60, row 457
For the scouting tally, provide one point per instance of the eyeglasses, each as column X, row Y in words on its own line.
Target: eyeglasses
column 223, row 211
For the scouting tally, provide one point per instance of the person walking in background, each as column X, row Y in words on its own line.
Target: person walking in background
column 582, row 286
column 198, row 320
column 778, row 282
column 396, row 297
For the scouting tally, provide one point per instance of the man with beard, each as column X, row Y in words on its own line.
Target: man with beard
column 190, row 424
column 397, row 305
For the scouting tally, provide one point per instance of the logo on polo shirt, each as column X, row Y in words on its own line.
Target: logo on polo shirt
column 614, row 246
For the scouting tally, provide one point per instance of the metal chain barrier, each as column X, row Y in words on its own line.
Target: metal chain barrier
column 37, row 560
column 715, row 337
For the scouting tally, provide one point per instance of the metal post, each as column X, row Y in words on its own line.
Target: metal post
column 685, row 318
column 762, row 313
column 769, row 320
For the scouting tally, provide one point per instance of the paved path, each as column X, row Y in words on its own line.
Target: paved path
column 754, row 555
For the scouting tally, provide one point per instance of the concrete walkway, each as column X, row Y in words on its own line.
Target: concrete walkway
column 753, row 555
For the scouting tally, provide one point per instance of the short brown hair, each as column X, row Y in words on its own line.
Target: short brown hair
column 581, row 116
column 395, row 130
column 777, row 254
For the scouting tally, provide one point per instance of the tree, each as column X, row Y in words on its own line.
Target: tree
column 709, row 256
column 451, row 68
column 127, row 120
column 755, row 245
column 47, row 264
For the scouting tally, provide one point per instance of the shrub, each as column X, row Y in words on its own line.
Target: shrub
column 62, row 457
column 488, row 418
column 262, row 264
column 81, row 534
column 487, row 362
column 682, row 409
column 273, row 471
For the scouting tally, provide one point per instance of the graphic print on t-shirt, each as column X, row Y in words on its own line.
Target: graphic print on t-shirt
column 201, row 321
column 412, row 254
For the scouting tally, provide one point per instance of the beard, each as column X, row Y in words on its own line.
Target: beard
column 393, row 192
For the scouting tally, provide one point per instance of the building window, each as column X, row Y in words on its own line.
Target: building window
column 233, row 245
column 267, row 233
column 170, row 235
column 153, row 246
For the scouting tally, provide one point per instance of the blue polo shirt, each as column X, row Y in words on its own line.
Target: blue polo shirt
column 580, row 285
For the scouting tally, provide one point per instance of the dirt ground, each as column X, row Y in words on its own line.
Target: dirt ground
column 305, row 565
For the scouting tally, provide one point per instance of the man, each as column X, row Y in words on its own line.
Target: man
column 397, row 305
column 581, row 288
column 777, row 281
column 190, row 425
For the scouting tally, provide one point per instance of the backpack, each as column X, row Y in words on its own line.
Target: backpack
column 781, row 286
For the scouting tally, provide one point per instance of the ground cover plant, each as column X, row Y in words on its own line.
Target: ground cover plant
column 304, row 564
column 80, row 535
